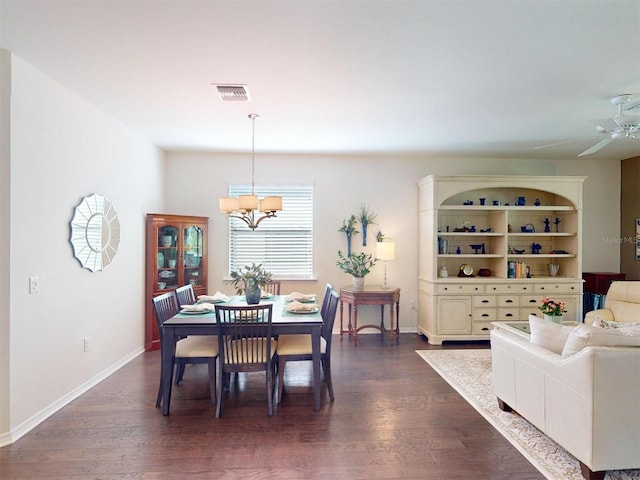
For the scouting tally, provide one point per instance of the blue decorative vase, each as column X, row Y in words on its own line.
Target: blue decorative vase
column 252, row 292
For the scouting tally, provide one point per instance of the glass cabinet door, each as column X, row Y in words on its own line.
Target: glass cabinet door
column 167, row 257
column 192, row 244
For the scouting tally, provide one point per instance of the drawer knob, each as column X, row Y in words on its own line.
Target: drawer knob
column 509, row 315
column 485, row 314
column 508, row 301
column 485, row 329
column 533, row 301
column 485, row 301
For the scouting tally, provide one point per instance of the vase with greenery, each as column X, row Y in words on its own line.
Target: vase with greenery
column 366, row 218
column 349, row 228
column 250, row 279
column 358, row 265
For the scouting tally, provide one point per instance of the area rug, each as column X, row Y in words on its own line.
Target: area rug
column 469, row 373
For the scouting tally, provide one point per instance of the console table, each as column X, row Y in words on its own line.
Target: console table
column 370, row 295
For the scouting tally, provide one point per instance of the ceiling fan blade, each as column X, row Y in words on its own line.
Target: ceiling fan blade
column 560, row 143
column 596, row 147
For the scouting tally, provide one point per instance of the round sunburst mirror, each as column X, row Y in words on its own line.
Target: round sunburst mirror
column 95, row 232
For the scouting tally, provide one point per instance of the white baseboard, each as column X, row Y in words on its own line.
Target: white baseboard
column 29, row 424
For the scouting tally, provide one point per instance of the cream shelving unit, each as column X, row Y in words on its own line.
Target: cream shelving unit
column 462, row 308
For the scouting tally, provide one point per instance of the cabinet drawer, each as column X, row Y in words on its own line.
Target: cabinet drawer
column 508, row 301
column 557, row 288
column 485, row 314
column 509, row 314
column 484, row 301
column 457, row 288
column 481, row 328
column 525, row 312
column 509, row 288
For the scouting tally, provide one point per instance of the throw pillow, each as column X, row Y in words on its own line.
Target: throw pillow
column 587, row 335
column 549, row 335
column 626, row 328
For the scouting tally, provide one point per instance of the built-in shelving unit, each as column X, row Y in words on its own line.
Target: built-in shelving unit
column 508, row 229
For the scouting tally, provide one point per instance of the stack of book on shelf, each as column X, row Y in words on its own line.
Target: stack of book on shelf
column 518, row 270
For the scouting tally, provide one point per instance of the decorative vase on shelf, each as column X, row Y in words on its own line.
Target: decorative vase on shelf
column 358, row 283
column 252, row 292
column 553, row 318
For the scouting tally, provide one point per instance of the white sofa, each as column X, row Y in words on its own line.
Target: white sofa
column 589, row 402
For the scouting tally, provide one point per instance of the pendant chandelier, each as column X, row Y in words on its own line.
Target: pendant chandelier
column 246, row 207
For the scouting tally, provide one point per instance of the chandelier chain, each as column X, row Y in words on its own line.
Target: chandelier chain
column 253, row 116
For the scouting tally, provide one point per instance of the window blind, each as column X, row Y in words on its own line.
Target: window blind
column 284, row 244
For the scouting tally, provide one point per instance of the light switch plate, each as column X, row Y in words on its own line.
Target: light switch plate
column 34, row 284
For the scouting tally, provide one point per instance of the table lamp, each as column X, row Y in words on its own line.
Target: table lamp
column 385, row 250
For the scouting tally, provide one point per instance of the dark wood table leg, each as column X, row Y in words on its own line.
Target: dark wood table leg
column 315, row 355
column 341, row 324
column 355, row 323
column 398, row 321
column 166, row 368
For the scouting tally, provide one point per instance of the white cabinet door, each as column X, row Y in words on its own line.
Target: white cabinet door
column 454, row 315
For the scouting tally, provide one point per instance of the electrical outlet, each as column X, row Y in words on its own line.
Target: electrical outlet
column 34, row 284
column 87, row 344
column 413, row 305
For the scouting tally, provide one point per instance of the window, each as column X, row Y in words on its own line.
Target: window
column 284, row 244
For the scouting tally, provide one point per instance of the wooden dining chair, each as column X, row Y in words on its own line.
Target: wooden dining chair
column 186, row 295
column 193, row 349
column 272, row 287
column 298, row 347
column 325, row 299
column 245, row 345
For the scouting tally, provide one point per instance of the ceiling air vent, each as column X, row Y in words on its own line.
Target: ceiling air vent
column 233, row 93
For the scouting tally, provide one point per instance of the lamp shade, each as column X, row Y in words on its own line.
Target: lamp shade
column 271, row 204
column 228, row 204
column 385, row 250
column 246, row 203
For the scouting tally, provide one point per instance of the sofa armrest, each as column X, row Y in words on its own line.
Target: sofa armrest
column 603, row 313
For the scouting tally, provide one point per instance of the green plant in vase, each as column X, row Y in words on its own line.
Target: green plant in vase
column 349, row 228
column 250, row 279
column 358, row 265
column 366, row 218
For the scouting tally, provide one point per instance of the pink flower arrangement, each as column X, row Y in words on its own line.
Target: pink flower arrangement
column 551, row 307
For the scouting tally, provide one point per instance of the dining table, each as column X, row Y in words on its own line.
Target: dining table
column 201, row 323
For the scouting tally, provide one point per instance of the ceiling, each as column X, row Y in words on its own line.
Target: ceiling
column 445, row 78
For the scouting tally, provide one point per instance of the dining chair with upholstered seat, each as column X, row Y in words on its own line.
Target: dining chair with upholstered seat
column 272, row 287
column 193, row 349
column 245, row 344
column 186, row 295
column 293, row 347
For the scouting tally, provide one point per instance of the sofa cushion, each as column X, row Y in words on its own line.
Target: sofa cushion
column 549, row 335
column 587, row 335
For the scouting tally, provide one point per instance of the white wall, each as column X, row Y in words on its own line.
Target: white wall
column 63, row 148
column 387, row 184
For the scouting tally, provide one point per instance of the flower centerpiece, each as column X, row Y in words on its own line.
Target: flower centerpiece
column 358, row 265
column 552, row 310
column 250, row 279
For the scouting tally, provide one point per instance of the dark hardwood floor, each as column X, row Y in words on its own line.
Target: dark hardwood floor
column 393, row 418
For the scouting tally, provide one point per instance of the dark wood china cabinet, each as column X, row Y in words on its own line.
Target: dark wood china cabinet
column 176, row 255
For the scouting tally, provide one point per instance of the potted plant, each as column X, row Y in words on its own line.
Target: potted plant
column 552, row 310
column 366, row 218
column 349, row 228
column 358, row 265
column 250, row 279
